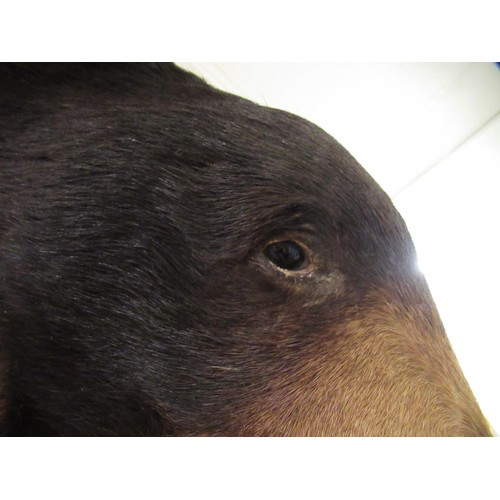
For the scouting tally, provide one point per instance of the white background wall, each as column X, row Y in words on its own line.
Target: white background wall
column 429, row 133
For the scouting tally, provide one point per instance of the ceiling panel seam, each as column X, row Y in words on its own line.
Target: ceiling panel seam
column 445, row 156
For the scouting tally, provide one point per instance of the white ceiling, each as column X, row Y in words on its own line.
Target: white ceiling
column 429, row 133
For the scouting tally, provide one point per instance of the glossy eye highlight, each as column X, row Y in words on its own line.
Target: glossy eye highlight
column 286, row 254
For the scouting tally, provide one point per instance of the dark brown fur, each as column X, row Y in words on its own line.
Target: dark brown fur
column 136, row 204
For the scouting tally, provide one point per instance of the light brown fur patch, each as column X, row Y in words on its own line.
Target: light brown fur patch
column 389, row 373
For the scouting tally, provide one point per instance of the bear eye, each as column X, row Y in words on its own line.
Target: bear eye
column 286, row 255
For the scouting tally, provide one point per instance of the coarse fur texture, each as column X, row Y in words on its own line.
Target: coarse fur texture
column 136, row 204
